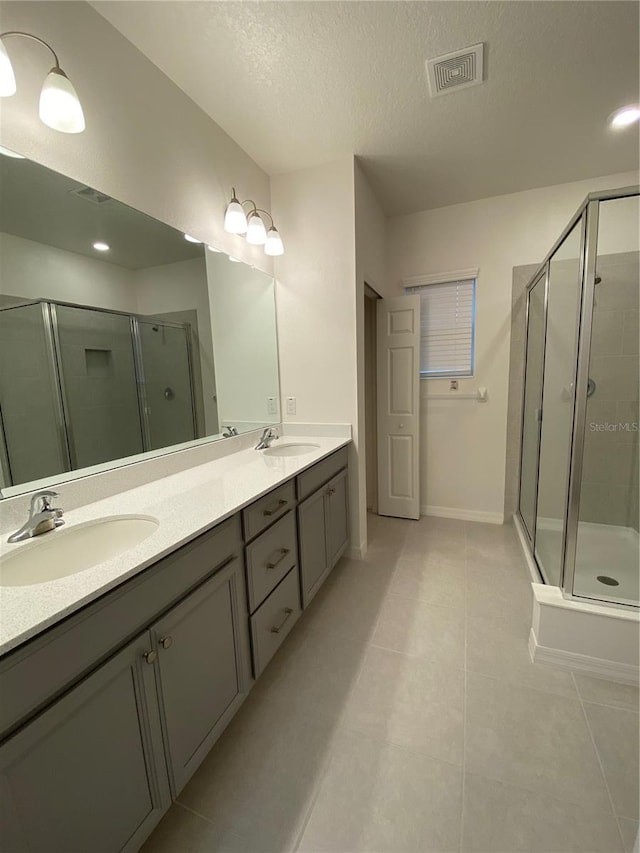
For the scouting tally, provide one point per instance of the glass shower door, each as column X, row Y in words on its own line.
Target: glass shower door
column 561, row 340
column 168, row 391
column 34, row 438
column 608, row 541
column 99, row 384
column 531, row 404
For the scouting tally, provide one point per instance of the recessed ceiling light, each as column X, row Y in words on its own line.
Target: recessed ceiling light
column 7, row 152
column 624, row 117
column 191, row 239
column 101, row 247
column 235, row 260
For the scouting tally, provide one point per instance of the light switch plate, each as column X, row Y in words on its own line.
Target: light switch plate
column 291, row 405
column 272, row 406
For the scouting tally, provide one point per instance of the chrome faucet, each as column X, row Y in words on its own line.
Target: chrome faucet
column 268, row 435
column 230, row 431
column 42, row 517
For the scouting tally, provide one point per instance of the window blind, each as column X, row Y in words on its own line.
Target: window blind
column 447, row 318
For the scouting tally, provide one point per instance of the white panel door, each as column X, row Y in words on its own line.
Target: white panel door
column 399, row 406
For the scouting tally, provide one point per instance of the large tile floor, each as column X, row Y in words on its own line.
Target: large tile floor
column 403, row 714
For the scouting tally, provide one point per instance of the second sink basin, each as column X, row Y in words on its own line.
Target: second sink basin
column 68, row 551
column 293, row 448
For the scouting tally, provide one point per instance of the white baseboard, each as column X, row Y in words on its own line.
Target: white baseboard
column 463, row 514
column 359, row 552
column 584, row 664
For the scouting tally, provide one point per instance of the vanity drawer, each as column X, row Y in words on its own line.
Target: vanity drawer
column 268, row 509
column 271, row 622
column 321, row 472
column 269, row 558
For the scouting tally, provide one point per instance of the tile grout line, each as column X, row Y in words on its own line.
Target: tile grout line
column 464, row 727
column 600, row 765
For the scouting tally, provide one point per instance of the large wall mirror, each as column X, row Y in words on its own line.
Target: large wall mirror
column 120, row 337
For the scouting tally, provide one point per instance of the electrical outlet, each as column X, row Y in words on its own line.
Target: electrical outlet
column 453, row 385
column 291, row 405
column 272, row 406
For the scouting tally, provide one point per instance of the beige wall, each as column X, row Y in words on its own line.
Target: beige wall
column 463, row 442
column 316, row 301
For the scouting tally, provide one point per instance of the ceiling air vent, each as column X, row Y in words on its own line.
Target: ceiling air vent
column 89, row 194
column 457, row 70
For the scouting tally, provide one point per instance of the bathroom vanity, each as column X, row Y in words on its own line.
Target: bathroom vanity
column 107, row 711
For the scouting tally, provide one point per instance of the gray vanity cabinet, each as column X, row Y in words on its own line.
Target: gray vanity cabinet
column 200, row 665
column 323, row 529
column 89, row 772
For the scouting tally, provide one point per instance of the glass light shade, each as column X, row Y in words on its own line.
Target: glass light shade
column 7, row 152
column 7, row 77
column 273, row 245
column 59, row 105
column 256, row 232
column 191, row 239
column 624, row 117
column 235, row 221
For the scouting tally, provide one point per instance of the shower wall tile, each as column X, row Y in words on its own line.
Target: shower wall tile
column 630, row 333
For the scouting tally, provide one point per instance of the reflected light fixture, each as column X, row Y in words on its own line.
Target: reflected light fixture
column 624, row 117
column 60, row 107
column 7, row 152
column 252, row 225
column 191, row 239
column 99, row 246
column 234, row 260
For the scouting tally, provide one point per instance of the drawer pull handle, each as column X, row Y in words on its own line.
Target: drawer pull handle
column 276, row 508
column 150, row 656
column 283, row 553
column 277, row 628
column 166, row 642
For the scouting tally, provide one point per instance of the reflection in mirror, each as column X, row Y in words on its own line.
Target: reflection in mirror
column 119, row 338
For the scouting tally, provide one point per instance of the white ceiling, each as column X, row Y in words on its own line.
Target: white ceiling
column 297, row 84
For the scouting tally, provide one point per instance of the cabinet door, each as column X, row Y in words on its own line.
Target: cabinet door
column 314, row 560
column 202, row 668
column 337, row 517
column 89, row 773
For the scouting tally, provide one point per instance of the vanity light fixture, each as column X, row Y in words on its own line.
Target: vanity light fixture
column 624, row 117
column 234, row 260
column 101, row 247
column 60, row 107
column 252, row 226
column 213, row 249
column 191, row 239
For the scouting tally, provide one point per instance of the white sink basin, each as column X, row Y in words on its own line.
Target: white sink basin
column 291, row 449
column 65, row 552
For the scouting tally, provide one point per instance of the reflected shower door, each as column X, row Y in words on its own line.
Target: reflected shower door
column 531, row 404
column 166, row 368
column 561, row 341
column 35, row 444
column 99, row 384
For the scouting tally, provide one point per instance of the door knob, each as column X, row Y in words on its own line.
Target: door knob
column 400, row 426
column 150, row 656
column 166, row 642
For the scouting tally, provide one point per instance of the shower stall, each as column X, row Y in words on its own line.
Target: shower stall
column 80, row 386
column 578, row 487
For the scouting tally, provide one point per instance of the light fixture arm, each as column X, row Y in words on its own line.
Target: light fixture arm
column 260, row 210
column 12, row 33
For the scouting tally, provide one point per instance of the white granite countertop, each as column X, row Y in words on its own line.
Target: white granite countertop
column 186, row 504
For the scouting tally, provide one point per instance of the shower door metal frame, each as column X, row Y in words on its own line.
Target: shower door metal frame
column 588, row 257
column 542, row 272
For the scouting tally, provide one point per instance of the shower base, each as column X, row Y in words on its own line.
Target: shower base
column 605, row 551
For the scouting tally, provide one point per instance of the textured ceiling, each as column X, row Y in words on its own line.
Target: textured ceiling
column 38, row 204
column 297, row 84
